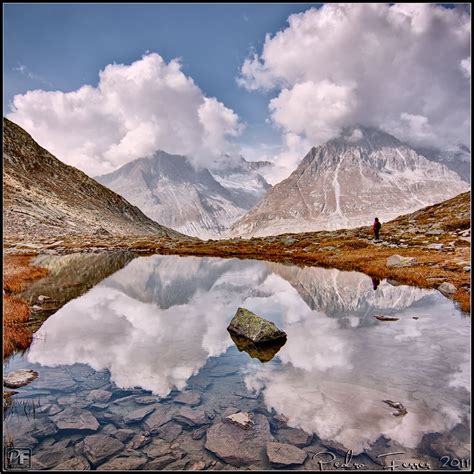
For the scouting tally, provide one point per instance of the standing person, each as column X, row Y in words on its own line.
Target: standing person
column 377, row 226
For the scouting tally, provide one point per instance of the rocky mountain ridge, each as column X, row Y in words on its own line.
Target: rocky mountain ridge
column 346, row 183
column 44, row 197
column 195, row 201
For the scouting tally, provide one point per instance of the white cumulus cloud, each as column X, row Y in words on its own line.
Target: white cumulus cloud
column 135, row 110
column 404, row 68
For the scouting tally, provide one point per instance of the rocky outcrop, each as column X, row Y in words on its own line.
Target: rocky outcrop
column 250, row 326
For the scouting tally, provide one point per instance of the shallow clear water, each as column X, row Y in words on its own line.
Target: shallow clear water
column 158, row 327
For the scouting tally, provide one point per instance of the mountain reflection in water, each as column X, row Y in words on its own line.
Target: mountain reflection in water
column 155, row 323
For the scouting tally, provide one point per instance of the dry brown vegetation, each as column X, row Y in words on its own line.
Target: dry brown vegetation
column 16, row 271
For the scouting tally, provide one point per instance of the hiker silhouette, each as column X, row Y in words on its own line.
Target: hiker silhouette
column 377, row 226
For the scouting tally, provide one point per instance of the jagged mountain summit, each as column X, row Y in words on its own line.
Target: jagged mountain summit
column 348, row 181
column 44, row 197
column 197, row 202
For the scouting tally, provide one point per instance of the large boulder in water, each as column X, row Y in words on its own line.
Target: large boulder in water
column 258, row 330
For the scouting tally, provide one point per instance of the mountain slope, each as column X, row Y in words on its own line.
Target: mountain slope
column 167, row 188
column 457, row 160
column 44, row 197
column 346, row 182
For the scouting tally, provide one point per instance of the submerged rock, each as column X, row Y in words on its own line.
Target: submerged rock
column 189, row 397
column 400, row 409
column 158, row 448
column 140, row 440
column 123, row 434
column 258, row 330
column 382, row 317
column 159, row 463
column 73, row 419
column 19, row 378
column 170, row 431
column 242, row 420
column 122, row 463
column 237, row 446
column 99, row 396
column 98, row 447
column 199, row 433
column 189, row 417
column 159, row 417
column 282, row 455
column 138, row 414
column 295, row 436
column 78, row 463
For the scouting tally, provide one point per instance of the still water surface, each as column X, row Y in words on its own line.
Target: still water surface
column 157, row 329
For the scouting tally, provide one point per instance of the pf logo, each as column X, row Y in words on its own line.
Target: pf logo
column 17, row 458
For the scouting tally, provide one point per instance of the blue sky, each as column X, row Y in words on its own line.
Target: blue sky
column 405, row 68
column 62, row 47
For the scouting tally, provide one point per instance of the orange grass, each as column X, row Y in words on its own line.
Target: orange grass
column 16, row 312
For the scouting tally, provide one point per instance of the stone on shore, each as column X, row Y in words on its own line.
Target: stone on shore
column 19, row 378
column 447, row 289
column 253, row 327
column 396, row 261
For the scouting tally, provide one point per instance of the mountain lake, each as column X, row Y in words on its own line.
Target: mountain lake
column 136, row 369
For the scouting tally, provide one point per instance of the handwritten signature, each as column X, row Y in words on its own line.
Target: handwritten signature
column 328, row 460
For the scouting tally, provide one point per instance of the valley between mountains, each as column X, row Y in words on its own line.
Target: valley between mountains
column 50, row 207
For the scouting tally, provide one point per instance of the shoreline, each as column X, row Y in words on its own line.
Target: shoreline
column 354, row 252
